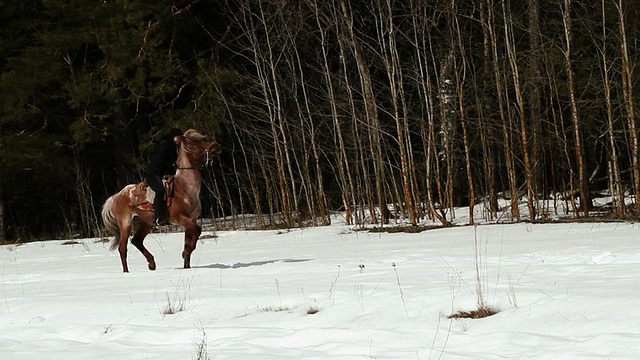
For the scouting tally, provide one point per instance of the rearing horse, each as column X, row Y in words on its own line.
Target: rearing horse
column 119, row 211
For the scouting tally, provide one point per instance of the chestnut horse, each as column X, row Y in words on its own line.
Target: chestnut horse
column 184, row 207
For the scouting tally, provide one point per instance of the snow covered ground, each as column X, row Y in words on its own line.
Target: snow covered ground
column 563, row 291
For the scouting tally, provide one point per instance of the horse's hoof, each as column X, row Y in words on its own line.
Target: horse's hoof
column 152, row 266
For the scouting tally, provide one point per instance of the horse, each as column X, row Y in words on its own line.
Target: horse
column 133, row 202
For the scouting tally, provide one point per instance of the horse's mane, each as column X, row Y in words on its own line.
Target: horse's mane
column 194, row 135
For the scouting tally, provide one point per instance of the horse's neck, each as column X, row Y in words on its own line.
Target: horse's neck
column 183, row 161
column 187, row 176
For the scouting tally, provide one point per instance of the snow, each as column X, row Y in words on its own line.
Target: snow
column 563, row 291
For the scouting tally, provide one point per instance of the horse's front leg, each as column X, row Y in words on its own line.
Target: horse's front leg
column 191, row 235
column 137, row 241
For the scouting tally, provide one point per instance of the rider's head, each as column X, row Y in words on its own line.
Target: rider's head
column 173, row 133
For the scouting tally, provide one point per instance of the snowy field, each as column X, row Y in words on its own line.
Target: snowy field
column 563, row 291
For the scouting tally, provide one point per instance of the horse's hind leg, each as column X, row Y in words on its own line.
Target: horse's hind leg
column 141, row 232
column 191, row 235
column 122, row 246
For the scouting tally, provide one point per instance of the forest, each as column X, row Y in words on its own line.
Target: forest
column 381, row 109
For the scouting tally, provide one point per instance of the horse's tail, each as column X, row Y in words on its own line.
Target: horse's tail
column 109, row 220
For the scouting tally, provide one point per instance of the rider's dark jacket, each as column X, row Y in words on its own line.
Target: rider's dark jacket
column 166, row 156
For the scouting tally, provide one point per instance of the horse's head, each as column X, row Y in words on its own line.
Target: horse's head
column 197, row 149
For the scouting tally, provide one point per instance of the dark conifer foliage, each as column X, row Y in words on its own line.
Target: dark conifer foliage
column 383, row 109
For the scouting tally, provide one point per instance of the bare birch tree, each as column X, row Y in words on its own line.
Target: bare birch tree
column 615, row 182
column 583, row 177
column 517, row 88
column 627, row 88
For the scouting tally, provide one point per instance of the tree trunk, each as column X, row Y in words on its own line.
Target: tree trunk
column 505, row 119
column 515, row 76
column 615, row 181
column 3, row 235
column 535, row 98
column 627, row 88
column 583, row 176
column 392, row 64
column 371, row 110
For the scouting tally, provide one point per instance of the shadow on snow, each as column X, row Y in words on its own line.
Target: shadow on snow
column 249, row 264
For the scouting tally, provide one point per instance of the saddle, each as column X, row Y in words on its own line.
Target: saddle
column 142, row 195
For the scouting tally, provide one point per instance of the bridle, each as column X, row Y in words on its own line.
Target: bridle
column 191, row 148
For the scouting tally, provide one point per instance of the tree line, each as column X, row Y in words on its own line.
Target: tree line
column 380, row 109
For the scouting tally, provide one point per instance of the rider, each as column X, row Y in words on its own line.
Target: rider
column 163, row 164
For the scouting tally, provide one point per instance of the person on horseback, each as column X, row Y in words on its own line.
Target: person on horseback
column 163, row 163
